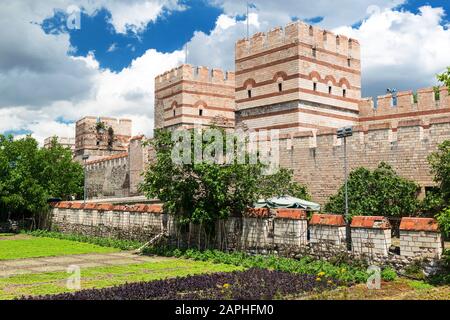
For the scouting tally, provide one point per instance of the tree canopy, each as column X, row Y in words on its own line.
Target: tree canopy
column 30, row 175
column 377, row 192
column 203, row 192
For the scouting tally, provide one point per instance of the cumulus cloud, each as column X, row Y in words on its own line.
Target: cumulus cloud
column 334, row 13
column 401, row 49
column 40, row 83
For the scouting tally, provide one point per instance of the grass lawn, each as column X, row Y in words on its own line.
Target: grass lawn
column 101, row 277
column 400, row 289
column 45, row 247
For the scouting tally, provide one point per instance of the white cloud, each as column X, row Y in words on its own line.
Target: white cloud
column 335, row 13
column 401, row 49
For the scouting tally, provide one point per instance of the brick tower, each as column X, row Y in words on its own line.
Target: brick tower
column 188, row 96
column 296, row 79
column 101, row 137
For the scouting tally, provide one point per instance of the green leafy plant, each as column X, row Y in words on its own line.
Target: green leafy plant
column 443, row 219
column 204, row 192
column 445, row 78
column 440, row 167
column 30, row 175
column 388, row 274
column 378, row 192
column 100, row 241
column 306, row 265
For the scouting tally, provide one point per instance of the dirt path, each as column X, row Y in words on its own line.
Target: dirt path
column 61, row 263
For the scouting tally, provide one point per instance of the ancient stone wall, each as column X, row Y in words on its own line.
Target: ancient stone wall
column 318, row 159
column 282, row 231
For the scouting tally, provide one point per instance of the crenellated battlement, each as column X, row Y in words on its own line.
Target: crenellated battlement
column 298, row 32
column 425, row 100
column 194, row 73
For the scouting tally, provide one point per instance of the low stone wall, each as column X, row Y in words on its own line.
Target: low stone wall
column 328, row 231
column 136, row 222
column 420, row 237
column 371, row 235
column 282, row 231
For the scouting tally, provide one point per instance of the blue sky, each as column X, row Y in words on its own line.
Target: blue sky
column 51, row 76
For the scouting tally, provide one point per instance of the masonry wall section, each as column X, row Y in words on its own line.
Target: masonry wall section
column 317, row 160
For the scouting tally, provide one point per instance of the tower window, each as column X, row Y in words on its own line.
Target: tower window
column 344, row 93
column 249, row 93
column 280, row 87
column 349, row 62
column 200, row 112
column 314, row 52
column 329, row 89
column 174, row 112
column 315, row 86
column 311, row 31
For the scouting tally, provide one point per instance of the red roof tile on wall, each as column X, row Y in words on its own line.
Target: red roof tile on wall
column 419, row 224
column 295, row 214
column 105, row 207
column 90, row 206
column 327, row 220
column 370, row 222
column 76, row 205
column 258, row 213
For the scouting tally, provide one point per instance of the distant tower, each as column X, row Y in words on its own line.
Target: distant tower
column 187, row 96
column 299, row 78
column 100, row 137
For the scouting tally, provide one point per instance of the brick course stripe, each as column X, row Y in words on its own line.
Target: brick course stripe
column 406, row 114
column 290, row 77
column 290, row 45
column 214, row 85
column 295, row 90
column 297, row 57
column 207, row 107
column 217, row 95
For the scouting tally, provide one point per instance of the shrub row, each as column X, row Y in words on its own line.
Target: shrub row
column 251, row 284
column 307, row 265
column 104, row 242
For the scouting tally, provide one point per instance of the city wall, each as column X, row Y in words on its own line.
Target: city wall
column 284, row 231
column 318, row 158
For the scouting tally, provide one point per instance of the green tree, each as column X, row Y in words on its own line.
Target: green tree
column 377, row 192
column 440, row 167
column 31, row 175
column 204, row 192
column 445, row 78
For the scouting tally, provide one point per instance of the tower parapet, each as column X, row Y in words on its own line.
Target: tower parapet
column 298, row 77
column 425, row 104
column 187, row 96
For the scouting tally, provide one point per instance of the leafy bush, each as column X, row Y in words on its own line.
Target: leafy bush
column 100, row 241
column 203, row 192
column 443, row 219
column 344, row 272
column 377, row 192
column 252, row 284
column 440, row 167
column 30, row 175
column 388, row 274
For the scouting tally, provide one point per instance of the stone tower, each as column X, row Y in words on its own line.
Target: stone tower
column 296, row 79
column 100, row 137
column 187, row 96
